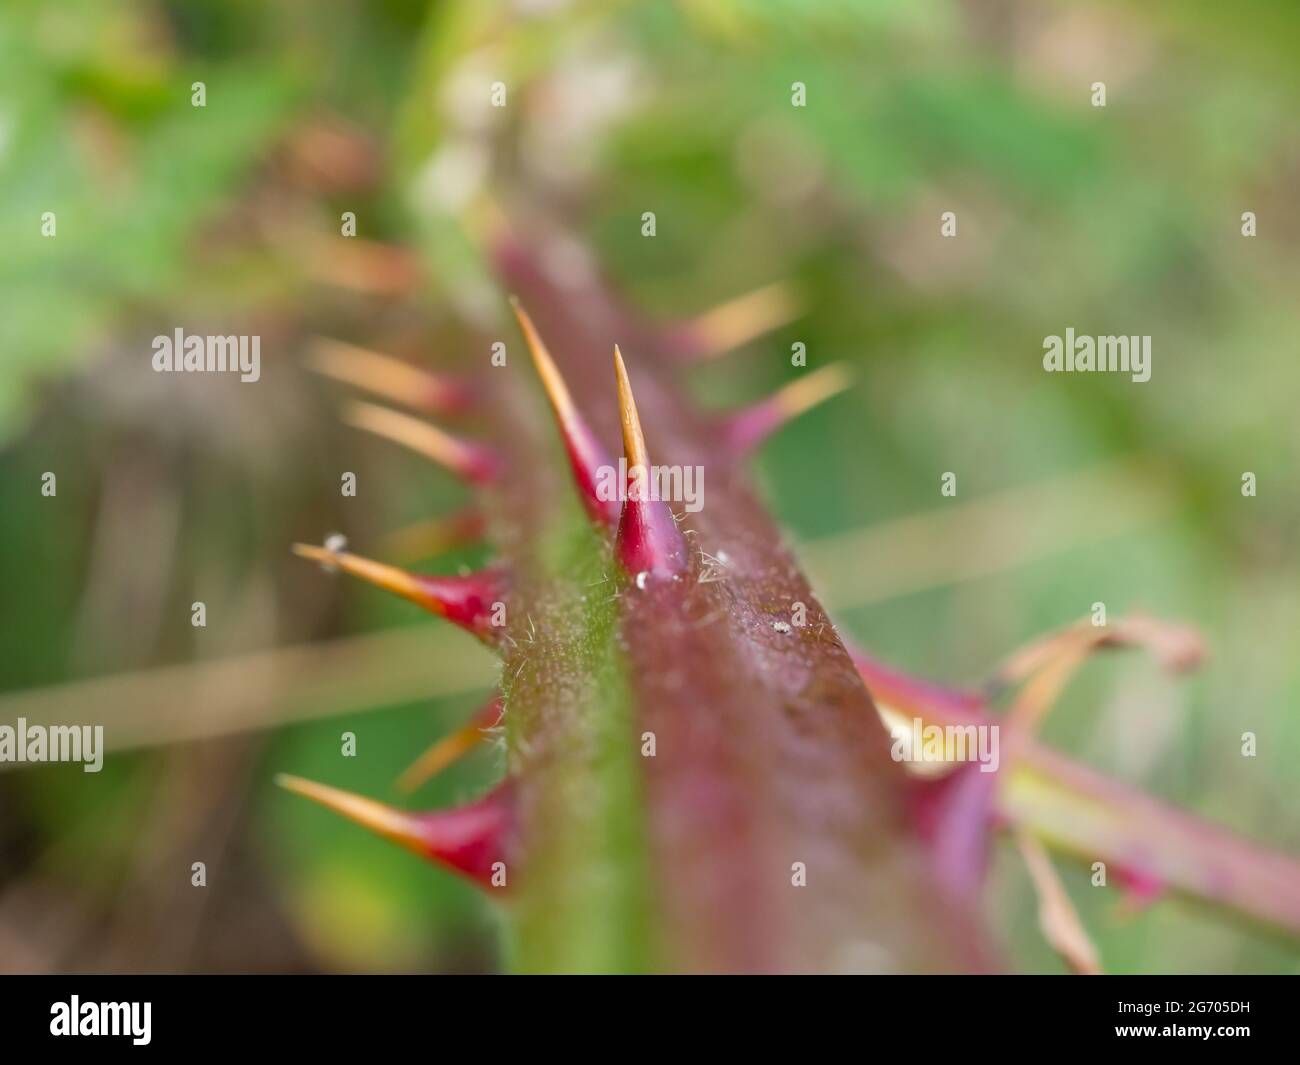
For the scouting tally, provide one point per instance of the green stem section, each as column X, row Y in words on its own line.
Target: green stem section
column 582, row 904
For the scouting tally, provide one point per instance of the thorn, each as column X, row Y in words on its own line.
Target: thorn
column 748, row 428
column 424, row 539
column 736, row 322
column 1047, row 665
column 900, row 725
column 452, row 747
column 466, row 600
column 1057, row 917
column 473, row 462
column 586, row 456
column 1177, row 647
column 469, row 839
column 951, row 804
column 634, row 448
column 954, row 815
column 363, row 266
column 388, row 377
column 331, row 156
column 648, row 538
column 1043, row 689
column 902, row 693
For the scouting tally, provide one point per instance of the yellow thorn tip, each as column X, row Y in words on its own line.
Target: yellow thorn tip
column 381, row 374
column 740, row 320
column 384, row 820
column 451, row 748
column 419, row 436
column 633, row 438
column 390, row 578
column 806, row 392
column 556, row 390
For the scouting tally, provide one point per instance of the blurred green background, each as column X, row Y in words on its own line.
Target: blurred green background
column 1071, row 489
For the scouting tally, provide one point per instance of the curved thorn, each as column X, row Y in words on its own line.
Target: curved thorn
column 1059, row 920
column 1177, row 647
column 452, row 747
column 473, row 462
column 748, row 428
column 1046, row 666
column 648, row 538
column 1043, row 689
column 469, row 600
column 473, row 839
column 586, row 456
column 386, row 376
